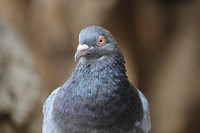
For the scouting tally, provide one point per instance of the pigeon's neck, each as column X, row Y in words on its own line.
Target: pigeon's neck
column 97, row 75
column 110, row 64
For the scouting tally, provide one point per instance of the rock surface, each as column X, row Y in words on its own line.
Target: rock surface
column 20, row 85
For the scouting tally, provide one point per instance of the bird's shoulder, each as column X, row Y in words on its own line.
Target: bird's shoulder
column 49, row 100
column 48, row 125
column 145, row 124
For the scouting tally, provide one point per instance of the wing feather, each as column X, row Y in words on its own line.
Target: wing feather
column 48, row 123
column 145, row 125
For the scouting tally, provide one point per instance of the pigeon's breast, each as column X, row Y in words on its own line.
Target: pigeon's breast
column 96, row 99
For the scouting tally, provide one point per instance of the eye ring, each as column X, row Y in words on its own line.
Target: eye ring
column 101, row 40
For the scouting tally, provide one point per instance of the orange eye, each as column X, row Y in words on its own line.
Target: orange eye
column 101, row 40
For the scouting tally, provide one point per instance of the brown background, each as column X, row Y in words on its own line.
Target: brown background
column 159, row 38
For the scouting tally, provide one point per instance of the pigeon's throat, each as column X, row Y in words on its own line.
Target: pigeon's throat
column 102, row 68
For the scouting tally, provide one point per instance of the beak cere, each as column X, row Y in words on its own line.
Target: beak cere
column 81, row 51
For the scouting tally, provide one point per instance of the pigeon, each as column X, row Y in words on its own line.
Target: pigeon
column 98, row 97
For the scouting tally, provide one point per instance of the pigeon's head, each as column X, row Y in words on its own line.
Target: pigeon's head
column 95, row 42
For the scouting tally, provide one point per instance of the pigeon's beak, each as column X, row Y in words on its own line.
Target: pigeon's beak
column 82, row 50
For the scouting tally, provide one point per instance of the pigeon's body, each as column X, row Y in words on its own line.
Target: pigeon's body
column 97, row 98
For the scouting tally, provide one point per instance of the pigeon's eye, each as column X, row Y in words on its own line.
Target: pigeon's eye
column 101, row 40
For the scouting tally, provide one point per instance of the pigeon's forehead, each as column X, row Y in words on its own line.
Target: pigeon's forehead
column 91, row 33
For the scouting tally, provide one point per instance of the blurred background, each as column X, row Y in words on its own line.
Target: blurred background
column 159, row 38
